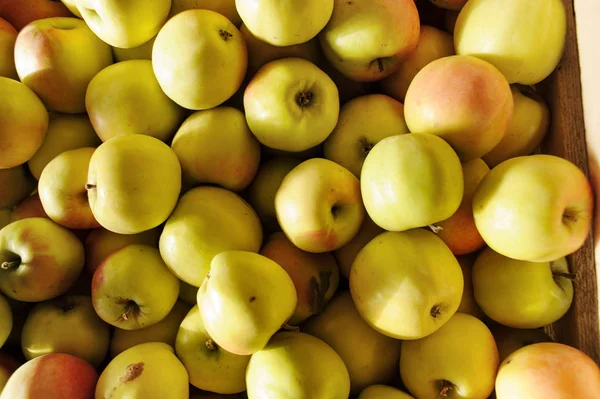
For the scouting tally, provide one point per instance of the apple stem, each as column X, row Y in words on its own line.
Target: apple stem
column 288, row 327
column 89, row 186
column 435, row 229
column 131, row 310
column 446, row 387
column 9, row 264
column 210, row 344
column 570, row 276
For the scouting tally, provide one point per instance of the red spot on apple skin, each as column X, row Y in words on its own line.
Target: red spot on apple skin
column 37, row 243
column 324, row 239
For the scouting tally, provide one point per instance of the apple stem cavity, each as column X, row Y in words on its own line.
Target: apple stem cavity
column 379, row 65
column 445, row 388
column 366, row 146
column 224, row 34
column 210, row 344
column 10, row 264
column 436, row 310
column 303, row 99
column 130, row 310
column 89, row 186
column 288, row 327
column 570, row 276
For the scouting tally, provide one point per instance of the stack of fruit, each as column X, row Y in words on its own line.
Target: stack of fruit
column 309, row 199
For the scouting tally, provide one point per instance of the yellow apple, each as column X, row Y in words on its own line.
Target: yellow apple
column 57, row 58
column 468, row 304
column 555, row 224
column 370, row 357
column 346, row 254
column 363, row 122
column 19, row 13
column 506, row 33
column 16, row 184
column 368, row 40
column 383, row 392
column 207, row 221
column 510, row 339
column 433, row 45
column 24, row 121
column 319, row 205
column 123, row 183
column 188, row 293
column 406, row 285
column 216, row 146
column 141, row 52
column 200, row 59
column 72, row 6
column 224, row 7
column 411, row 180
column 527, row 129
column 65, row 132
column 6, row 321
column 522, row 294
column 460, row 360
column 125, row 98
column 30, row 207
column 454, row 5
column 8, row 37
column 291, row 105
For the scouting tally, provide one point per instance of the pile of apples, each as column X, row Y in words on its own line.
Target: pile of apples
column 301, row 199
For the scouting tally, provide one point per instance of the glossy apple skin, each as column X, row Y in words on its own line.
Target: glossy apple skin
column 8, row 37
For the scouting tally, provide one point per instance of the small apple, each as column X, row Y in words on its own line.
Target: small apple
column 8, row 37
column 30, row 207
column 141, row 52
column 15, row 185
column 556, row 224
column 348, row 89
column 57, row 58
column 454, row 5
column 19, row 13
column 8, row 365
column 510, row 340
column 6, row 321
column 383, row 392
column 224, row 7
column 346, row 254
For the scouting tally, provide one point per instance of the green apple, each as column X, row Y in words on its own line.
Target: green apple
column 291, row 105
column 141, row 52
column 200, row 59
column 8, row 37
column 383, row 392
column 460, row 360
column 411, row 180
column 346, row 254
column 556, row 224
column 6, row 321
column 319, row 205
column 39, row 260
column 24, row 122
column 224, row 7
column 406, row 285
column 295, row 365
column 16, row 184
column 368, row 40
column 122, row 183
column 67, row 324
column 363, row 122
column 57, row 58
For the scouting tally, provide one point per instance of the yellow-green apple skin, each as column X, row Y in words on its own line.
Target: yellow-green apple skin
column 368, row 40
column 149, row 370
column 141, row 52
column 122, row 24
column 65, row 132
column 556, row 224
column 39, row 260
column 163, row 331
column 406, row 285
column 224, row 7
column 8, row 365
column 6, row 318
column 550, row 371
column 62, row 189
column 285, row 23
column 411, row 180
column 210, row 367
column 69, row 325
column 8, row 37
column 521, row 294
column 207, row 221
column 460, row 360
column 57, row 58
column 510, row 339
column 248, row 291
column 369, row 356
column 454, row 5
column 122, row 184
column 216, row 146
column 52, row 376
column 319, row 205
column 523, row 39
column 481, row 107
column 315, row 276
column 188, row 293
column 291, row 105
column 129, row 298
column 433, row 45
column 468, row 304
column 527, row 129
column 346, row 254
column 297, row 366
column 200, row 59
column 358, row 130
column 125, row 98
column 24, row 121
column 72, row 6
column 383, row 392
column 15, row 185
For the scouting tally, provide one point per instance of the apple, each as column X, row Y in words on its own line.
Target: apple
column 30, row 207
column 454, row 5
column 19, row 13
column 8, row 365
column 319, row 205
column 189, row 56
column 510, row 340
column 406, row 285
column 229, row 154
column 556, row 224
column 6, row 318
column 141, row 52
column 15, row 185
column 124, row 25
column 122, row 183
column 468, row 304
column 527, row 129
column 39, row 260
column 224, row 7
column 65, row 132
column 548, row 370
column 70, row 4
column 66, row 325
column 346, row 254
column 348, row 89
column 24, row 123
column 433, row 45
column 522, row 294
column 57, row 58
column 367, row 40
column 476, row 118
column 411, row 180
column 460, row 360
column 508, row 36
column 291, row 105
column 128, row 297
column 383, row 392
column 8, row 37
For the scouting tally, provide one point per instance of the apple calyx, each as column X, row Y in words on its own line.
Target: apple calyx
column 224, row 34
column 130, row 310
column 210, row 345
column 366, row 146
column 90, row 186
column 288, row 327
column 570, row 276
column 303, row 99
column 446, row 387
column 436, row 310
column 10, row 264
